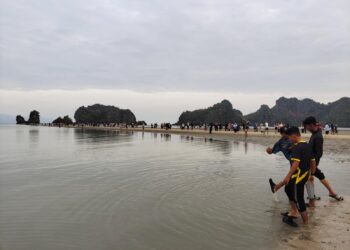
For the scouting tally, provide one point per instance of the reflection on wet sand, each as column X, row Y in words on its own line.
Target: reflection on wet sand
column 166, row 137
column 155, row 135
column 225, row 147
column 34, row 135
column 95, row 136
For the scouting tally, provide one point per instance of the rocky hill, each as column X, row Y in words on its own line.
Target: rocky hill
column 98, row 113
column 65, row 120
column 293, row 111
column 222, row 112
column 34, row 118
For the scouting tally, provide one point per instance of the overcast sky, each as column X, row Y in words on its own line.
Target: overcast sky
column 161, row 57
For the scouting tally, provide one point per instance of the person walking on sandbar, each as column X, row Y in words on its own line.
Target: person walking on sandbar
column 316, row 144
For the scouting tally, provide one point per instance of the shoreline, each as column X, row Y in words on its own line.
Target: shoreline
column 205, row 133
column 337, row 147
column 329, row 228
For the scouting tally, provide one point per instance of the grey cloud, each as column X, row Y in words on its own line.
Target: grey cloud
column 175, row 45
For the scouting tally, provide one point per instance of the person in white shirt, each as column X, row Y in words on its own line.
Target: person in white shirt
column 327, row 128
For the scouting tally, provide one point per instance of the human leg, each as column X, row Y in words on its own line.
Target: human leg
column 310, row 189
column 290, row 191
column 299, row 197
column 319, row 175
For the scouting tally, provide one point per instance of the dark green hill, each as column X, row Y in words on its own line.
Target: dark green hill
column 65, row 120
column 34, row 118
column 98, row 113
column 222, row 112
column 293, row 111
column 337, row 112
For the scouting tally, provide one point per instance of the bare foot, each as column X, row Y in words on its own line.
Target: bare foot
column 295, row 215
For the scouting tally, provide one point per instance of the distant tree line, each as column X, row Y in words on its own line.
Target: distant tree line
column 286, row 110
column 102, row 114
column 66, row 120
column 220, row 113
column 292, row 111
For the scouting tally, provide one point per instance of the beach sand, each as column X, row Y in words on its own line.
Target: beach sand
column 329, row 228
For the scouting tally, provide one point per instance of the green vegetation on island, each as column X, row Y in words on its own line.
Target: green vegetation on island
column 98, row 114
column 66, row 120
column 34, row 118
column 20, row 119
column 222, row 113
column 290, row 111
column 294, row 111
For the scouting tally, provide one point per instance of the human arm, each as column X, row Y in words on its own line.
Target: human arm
column 295, row 159
column 275, row 149
column 292, row 170
column 318, row 149
column 286, row 179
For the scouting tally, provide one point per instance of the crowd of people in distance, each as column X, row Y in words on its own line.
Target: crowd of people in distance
column 92, row 124
column 165, row 125
column 235, row 127
column 245, row 126
column 304, row 159
column 331, row 128
column 280, row 125
column 215, row 126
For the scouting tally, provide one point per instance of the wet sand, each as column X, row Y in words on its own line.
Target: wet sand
column 229, row 134
column 329, row 228
column 337, row 147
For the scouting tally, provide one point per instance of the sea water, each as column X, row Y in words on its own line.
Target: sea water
column 64, row 188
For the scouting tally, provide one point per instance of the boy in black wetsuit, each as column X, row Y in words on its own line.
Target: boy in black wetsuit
column 316, row 144
column 303, row 164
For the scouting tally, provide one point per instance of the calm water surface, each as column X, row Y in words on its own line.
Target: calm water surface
column 71, row 189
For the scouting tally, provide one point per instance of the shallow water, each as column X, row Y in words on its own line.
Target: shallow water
column 71, row 189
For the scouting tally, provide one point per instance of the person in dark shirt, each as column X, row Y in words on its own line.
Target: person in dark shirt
column 316, row 144
column 282, row 145
column 303, row 163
